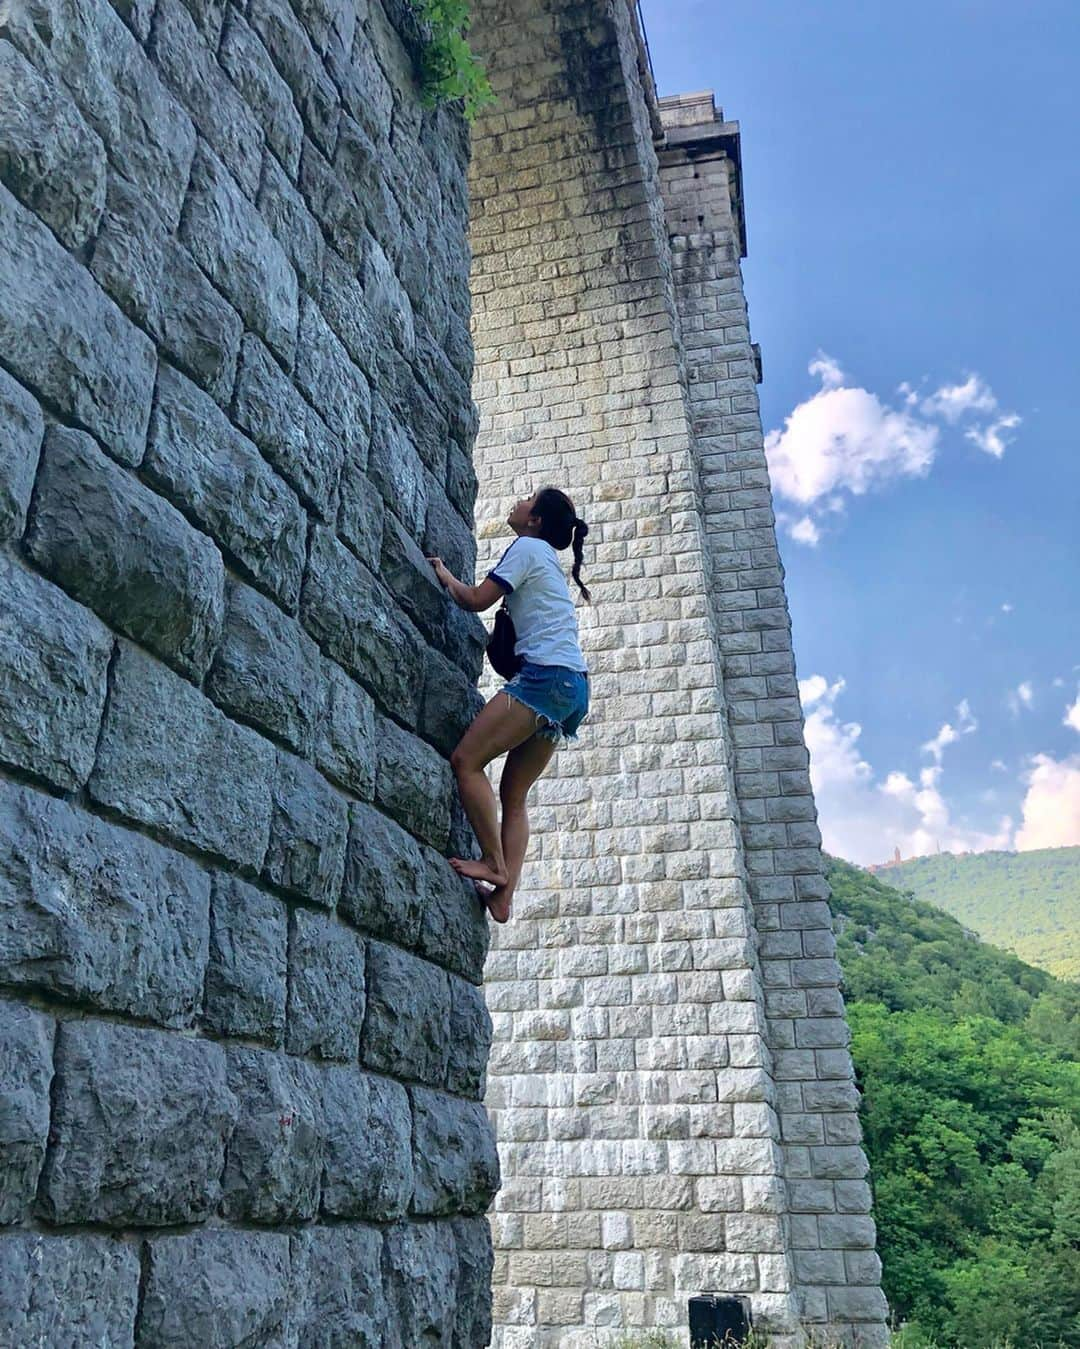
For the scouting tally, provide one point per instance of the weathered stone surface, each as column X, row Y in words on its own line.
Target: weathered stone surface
column 368, row 1169
column 267, row 669
column 247, row 964
column 354, row 620
column 421, row 1271
column 216, row 1288
column 358, row 161
column 308, row 829
column 53, row 658
column 397, row 470
column 126, row 553
column 168, row 758
column 333, row 202
column 331, row 24
column 461, row 484
column 67, row 341
column 454, row 925
column 413, row 783
column 366, row 94
column 344, row 305
column 273, row 1164
column 291, row 434
column 68, row 1290
column 466, row 641
column 387, row 299
column 470, row 1039
column 190, row 70
column 265, row 92
column 446, row 534
column 49, row 157
column 216, row 475
column 139, row 1127
column 329, row 379
column 338, row 1288
column 137, row 14
column 21, row 430
column 148, row 136
column 97, row 914
column 300, row 67
column 472, row 1319
column 449, row 704
column 292, row 224
column 410, row 578
column 209, row 16
column 26, row 1044
column 344, row 745
column 327, row 992
column 361, row 513
column 232, row 242
column 407, row 1027
column 386, row 885
column 454, row 1159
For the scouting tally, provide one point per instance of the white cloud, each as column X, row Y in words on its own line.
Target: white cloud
column 844, row 441
column 991, row 438
column 1022, row 696
column 949, row 734
column 1006, row 608
column 953, row 401
column 862, row 815
column 999, row 765
column 1051, row 809
column 1072, row 713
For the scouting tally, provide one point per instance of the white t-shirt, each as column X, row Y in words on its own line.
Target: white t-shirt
column 540, row 605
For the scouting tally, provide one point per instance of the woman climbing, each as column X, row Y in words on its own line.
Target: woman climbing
column 542, row 704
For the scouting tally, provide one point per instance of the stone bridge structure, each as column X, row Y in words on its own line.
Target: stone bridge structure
column 244, row 1042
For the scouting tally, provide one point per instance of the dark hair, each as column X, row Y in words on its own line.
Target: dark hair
column 560, row 526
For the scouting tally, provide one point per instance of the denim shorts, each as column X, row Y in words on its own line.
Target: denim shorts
column 559, row 696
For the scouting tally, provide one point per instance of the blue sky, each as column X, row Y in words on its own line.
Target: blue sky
column 912, row 188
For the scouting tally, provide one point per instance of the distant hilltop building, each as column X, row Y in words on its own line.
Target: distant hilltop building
column 894, row 861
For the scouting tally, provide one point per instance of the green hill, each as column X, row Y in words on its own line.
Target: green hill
column 1026, row 902
column 969, row 1064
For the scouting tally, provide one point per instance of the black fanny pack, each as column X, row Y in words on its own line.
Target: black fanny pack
column 501, row 643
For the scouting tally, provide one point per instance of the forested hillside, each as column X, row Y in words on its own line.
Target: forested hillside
column 969, row 1064
column 1026, row 902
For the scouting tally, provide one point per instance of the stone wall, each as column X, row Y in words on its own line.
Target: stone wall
column 669, row 1077
column 242, row 1040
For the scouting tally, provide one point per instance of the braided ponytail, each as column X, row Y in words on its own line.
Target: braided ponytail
column 561, row 527
column 580, row 530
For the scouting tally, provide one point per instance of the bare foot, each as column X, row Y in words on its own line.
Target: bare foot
column 484, row 870
column 498, row 903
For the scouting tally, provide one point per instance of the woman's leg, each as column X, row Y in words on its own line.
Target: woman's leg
column 501, row 725
column 523, row 766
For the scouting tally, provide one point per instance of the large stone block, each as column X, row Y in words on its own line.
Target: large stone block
column 333, row 202
column 470, row 1039
column 367, row 1129
column 449, row 705
column 446, row 534
column 385, row 878
column 410, row 578
column 64, row 339
column 247, row 965
column 190, row 70
column 96, row 914
column 308, row 830
column 413, row 783
column 126, row 553
column 407, row 1027
column 476, row 1259
column 217, row 476
column 139, row 1127
column 169, row 759
column 49, row 157
column 79, row 1290
column 149, row 138
column 216, row 1288
column 355, row 620
column 397, row 470
column 327, row 994
column 274, row 1160
column 361, row 512
column 344, row 742
column 267, row 669
column 21, row 430
column 291, row 434
column 454, row 925
column 343, row 302
column 338, row 1288
column 53, row 659
column 292, row 225
column 26, row 1069
column 231, row 241
column 421, row 1273
column 329, row 379
column 267, row 95
column 359, row 161
column 454, row 1158
column 300, row 67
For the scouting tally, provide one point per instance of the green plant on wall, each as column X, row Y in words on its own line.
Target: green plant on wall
column 449, row 68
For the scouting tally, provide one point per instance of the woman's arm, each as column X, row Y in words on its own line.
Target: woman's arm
column 473, row 598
